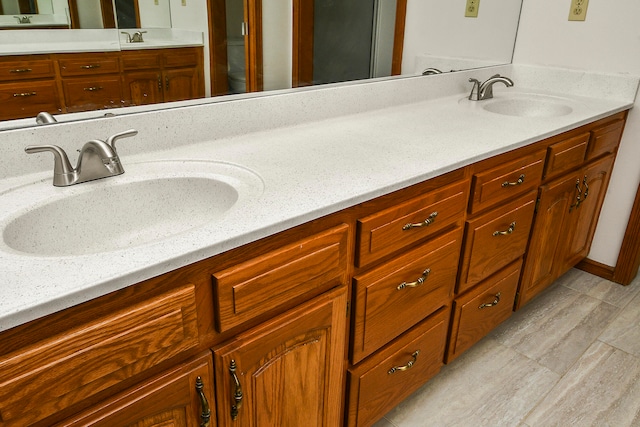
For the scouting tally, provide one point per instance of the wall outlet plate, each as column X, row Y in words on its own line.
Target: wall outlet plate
column 471, row 10
column 578, row 11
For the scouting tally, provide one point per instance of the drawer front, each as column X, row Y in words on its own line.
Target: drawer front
column 28, row 98
column 91, row 93
column 276, row 280
column 89, row 65
column 495, row 239
column 21, row 70
column 96, row 356
column 397, row 295
column 375, row 386
column 181, row 57
column 504, row 182
column 566, row 155
column 139, row 60
column 392, row 229
column 605, row 139
column 480, row 310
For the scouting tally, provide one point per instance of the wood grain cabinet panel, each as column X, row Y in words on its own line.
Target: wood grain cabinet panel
column 399, row 294
column 92, row 93
column 481, row 309
column 566, row 155
column 495, row 239
column 289, row 371
column 385, row 379
column 89, row 64
column 26, row 68
column 390, row 230
column 605, row 139
column 49, row 376
column 26, row 98
column 277, row 279
column 506, row 181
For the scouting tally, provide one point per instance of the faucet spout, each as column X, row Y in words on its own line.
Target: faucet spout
column 481, row 91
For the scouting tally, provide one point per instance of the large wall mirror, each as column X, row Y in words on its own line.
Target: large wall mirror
column 263, row 45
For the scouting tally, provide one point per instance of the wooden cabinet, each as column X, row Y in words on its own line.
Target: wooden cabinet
column 162, row 75
column 181, row 397
column 288, row 371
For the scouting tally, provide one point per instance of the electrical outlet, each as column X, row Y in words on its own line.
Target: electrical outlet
column 471, row 10
column 578, row 10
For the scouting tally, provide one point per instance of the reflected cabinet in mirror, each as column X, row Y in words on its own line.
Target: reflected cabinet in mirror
column 85, row 55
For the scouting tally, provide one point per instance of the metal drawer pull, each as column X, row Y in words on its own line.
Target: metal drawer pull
column 586, row 188
column 509, row 230
column 578, row 196
column 93, row 88
column 425, row 223
column 90, row 66
column 24, row 94
column 21, row 70
column 496, row 300
column 407, row 366
column 417, row 283
column 237, row 395
column 511, row 184
column 205, row 416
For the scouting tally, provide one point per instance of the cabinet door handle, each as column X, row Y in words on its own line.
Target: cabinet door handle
column 21, row 70
column 424, row 223
column 93, row 88
column 509, row 230
column 495, row 301
column 511, row 184
column 166, row 81
column 417, row 283
column 586, row 188
column 159, row 83
column 24, row 94
column 90, row 66
column 578, row 196
column 409, row 364
column 205, row 415
column 237, row 395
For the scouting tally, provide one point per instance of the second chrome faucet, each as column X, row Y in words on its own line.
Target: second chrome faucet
column 484, row 90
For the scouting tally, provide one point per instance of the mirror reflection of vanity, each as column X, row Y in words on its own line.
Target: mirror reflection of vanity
column 196, row 49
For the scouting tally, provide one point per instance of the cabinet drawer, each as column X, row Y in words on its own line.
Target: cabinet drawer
column 276, row 280
column 506, row 181
column 605, row 139
column 375, row 386
column 139, row 60
column 181, row 57
column 566, row 155
column 89, row 64
column 91, row 93
column 392, row 229
column 480, row 310
column 28, row 98
column 397, row 295
column 95, row 356
column 26, row 69
column 495, row 239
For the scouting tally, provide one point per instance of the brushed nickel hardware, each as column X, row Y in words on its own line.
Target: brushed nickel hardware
column 578, row 196
column 495, row 302
column 484, row 90
column 21, row 70
column 425, row 223
column 90, row 66
column 93, row 88
column 417, row 283
column 98, row 159
column 431, row 71
column 509, row 230
column 409, row 364
column 44, row 118
column 24, row 94
column 512, row 184
column 23, row 19
column 205, row 415
column 237, row 395
column 136, row 38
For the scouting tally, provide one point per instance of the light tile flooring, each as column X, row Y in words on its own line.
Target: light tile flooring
column 571, row 357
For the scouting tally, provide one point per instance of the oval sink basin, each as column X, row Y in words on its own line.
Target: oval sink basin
column 151, row 202
column 528, row 106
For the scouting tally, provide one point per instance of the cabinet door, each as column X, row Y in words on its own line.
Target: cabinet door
column 549, row 232
column 143, row 87
column 181, row 84
column 180, row 398
column 288, row 371
column 92, row 93
column 593, row 186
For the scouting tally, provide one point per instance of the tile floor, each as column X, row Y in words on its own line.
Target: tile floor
column 571, row 357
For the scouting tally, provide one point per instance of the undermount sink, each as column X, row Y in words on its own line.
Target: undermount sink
column 527, row 105
column 151, row 202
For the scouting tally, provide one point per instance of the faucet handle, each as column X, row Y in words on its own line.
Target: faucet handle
column 62, row 171
column 128, row 36
column 475, row 90
column 126, row 134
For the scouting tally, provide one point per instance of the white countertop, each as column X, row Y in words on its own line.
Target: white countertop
column 309, row 170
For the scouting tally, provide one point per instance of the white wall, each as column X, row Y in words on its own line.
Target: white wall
column 608, row 41
column 277, row 43
column 154, row 15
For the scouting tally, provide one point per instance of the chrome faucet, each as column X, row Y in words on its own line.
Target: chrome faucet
column 481, row 91
column 98, row 159
column 431, row 71
column 136, row 38
column 26, row 19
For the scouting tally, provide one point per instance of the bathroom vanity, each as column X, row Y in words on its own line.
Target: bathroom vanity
column 383, row 243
